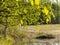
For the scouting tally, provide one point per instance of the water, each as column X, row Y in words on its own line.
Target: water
column 55, row 41
column 45, row 42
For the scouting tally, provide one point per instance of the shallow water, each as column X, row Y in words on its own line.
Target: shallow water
column 44, row 43
column 55, row 41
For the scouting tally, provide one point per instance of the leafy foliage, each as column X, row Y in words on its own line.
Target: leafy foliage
column 56, row 10
column 15, row 12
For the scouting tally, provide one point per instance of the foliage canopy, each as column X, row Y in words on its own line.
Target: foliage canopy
column 14, row 12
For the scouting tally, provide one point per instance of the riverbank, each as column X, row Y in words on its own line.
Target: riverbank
column 16, row 35
column 53, row 29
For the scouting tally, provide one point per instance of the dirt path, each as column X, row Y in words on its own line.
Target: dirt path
column 55, row 32
column 49, row 29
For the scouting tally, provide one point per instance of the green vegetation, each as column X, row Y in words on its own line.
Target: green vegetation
column 13, row 36
column 16, row 12
column 25, row 13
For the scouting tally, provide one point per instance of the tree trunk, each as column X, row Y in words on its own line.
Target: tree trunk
column 5, row 32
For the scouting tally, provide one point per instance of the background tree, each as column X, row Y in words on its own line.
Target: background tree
column 56, row 10
column 15, row 12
